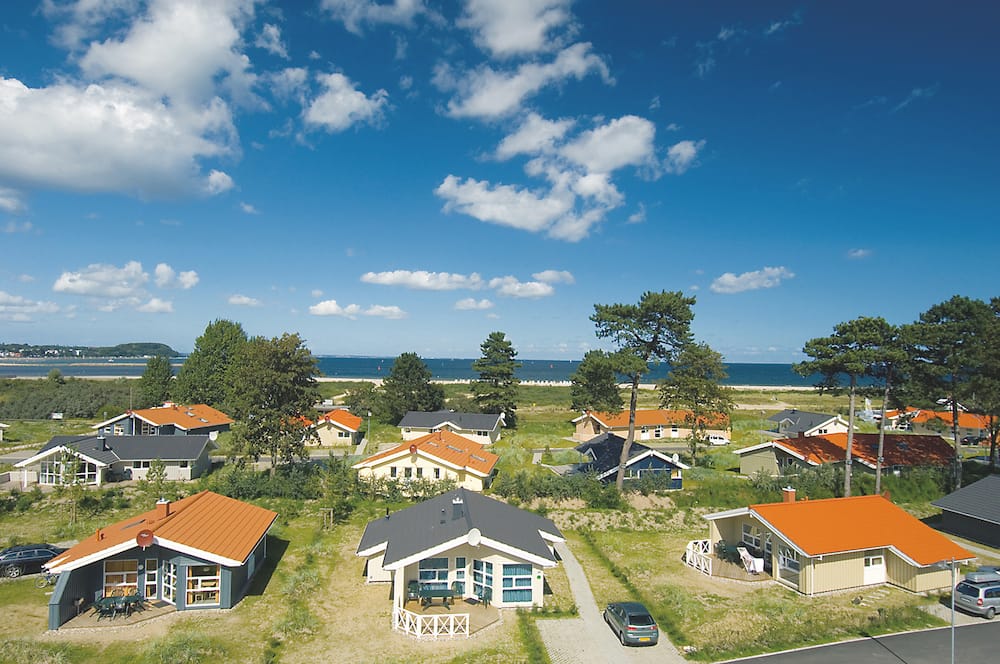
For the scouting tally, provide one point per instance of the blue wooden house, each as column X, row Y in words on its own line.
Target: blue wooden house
column 604, row 456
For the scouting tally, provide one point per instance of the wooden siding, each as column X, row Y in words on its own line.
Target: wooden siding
column 915, row 579
column 835, row 572
column 763, row 459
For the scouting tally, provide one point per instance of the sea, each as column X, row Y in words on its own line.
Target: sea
column 445, row 369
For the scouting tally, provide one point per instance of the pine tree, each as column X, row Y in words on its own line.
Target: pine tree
column 496, row 390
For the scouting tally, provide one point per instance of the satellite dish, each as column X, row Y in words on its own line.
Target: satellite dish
column 413, row 449
column 144, row 538
column 474, row 537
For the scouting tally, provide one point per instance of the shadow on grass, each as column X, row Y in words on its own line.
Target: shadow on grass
column 276, row 548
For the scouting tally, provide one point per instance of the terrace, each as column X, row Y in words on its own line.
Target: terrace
column 436, row 621
column 89, row 618
column 726, row 562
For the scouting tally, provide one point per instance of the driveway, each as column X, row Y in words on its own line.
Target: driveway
column 587, row 638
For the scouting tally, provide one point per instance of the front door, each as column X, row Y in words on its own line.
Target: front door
column 874, row 569
column 169, row 582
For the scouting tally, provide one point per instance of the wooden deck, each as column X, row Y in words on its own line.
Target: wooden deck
column 89, row 619
column 480, row 616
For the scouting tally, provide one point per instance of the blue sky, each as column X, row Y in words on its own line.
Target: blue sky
column 410, row 175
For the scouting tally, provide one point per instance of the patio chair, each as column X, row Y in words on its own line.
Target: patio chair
column 412, row 590
column 105, row 608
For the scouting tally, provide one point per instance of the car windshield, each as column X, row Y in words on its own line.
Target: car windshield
column 641, row 620
column 967, row 589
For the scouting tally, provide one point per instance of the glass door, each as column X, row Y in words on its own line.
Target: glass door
column 169, row 582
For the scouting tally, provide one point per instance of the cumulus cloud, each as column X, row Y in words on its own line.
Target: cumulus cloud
column 243, row 300
column 382, row 311
column 289, row 83
column 423, row 280
column 768, row 277
column 218, row 182
column 506, row 28
column 103, row 280
column 248, row 208
column 341, row 105
column 165, row 277
column 10, row 201
column 554, row 277
column 472, row 304
column 486, row 93
column 506, row 205
column 331, row 308
column 859, row 253
column 156, row 306
column 20, row 309
column 269, row 39
column 535, row 135
column 355, row 13
column 511, row 287
column 681, row 156
column 638, row 216
column 316, row 292
column 624, row 141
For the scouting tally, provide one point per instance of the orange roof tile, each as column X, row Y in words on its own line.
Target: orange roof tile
column 965, row 420
column 446, row 446
column 344, row 418
column 834, row 525
column 898, row 449
column 186, row 417
column 652, row 418
column 219, row 526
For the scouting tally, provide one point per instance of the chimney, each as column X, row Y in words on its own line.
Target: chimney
column 788, row 495
column 99, row 535
column 102, row 443
column 885, row 494
column 456, row 508
column 162, row 508
column 802, row 434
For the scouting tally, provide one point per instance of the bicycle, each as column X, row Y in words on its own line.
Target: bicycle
column 46, row 579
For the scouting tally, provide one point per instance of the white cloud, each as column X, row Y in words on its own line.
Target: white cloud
column 179, row 49
column 859, row 253
column 511, row 287
column 535, row 135
column 269, row 39
column 248, row 208
column 243, row 300
column 25, row 278
column 10, row 201
column 554, row 277
column 165, row 277
column 331, row 308
column 654, row 103
column 110, row 137
column 316, row 292
column 915, row 94
column 506, row 28
column 289, row 83
column 638, row 216
column 354, row 13
column 768, row 277
column 506, row 205
column 80, row 19
column 423, row 280
column 472, row 304
column 673, row 126
column 341, row 105
column 20, row 309
column 681, row 156
column 726, row 33
column 218, row 182
column 156, row 306
column 624, row 141
column 779, row 26
column 102, row 280
column 382, row 311
column 15, row 227
column 486, row 93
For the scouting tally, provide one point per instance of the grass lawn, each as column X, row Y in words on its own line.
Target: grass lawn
column 37, row 432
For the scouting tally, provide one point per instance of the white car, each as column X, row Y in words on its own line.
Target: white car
column 716, row 439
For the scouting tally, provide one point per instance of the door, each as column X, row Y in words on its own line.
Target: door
column 169, row 582
column 874, row 569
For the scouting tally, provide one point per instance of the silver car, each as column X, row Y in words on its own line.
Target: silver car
column 632, row 623
column 981, row 598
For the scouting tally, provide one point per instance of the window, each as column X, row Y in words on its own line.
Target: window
column 140, row 464
column 392, row 471
column 121, row 577
column 420, row 471
column 149, row 579
column 788, row 565
column 147, row 429
column 460, row 568
column 434, row 572
column 203, row 583
column 406, row 429
column 169, row 581
column 343, row 434
column 658, row 432
column 645, row 430
column 183, row 464
column 437, row 473
column 517, row 583
column 408, row 472
column 874, row 561
column 751, row 535
column 482, row 577
column 50, row 473
column 483, row 433
column 119, row 429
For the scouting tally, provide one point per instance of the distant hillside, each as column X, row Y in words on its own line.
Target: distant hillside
column 137, row 349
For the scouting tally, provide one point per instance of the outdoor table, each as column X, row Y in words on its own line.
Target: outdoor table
column 428, row 595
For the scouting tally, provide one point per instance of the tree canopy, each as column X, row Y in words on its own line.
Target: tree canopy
column 408, row 387
column 156, row 382
column 594, row 384
column 694, row 384
column 653, row 330
column 203, row 376
column 496, row 389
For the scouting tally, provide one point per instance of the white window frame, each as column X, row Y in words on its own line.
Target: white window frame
column 751, row 535
column 169, row 584
column 150, row 578
column 120, row 582
column 202, row 586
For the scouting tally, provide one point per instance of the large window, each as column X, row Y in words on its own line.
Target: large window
column 147, row 429
column 751, row 535
column 517, row 583
column 169, row 581
column 788, row 565
column 50, row 472
column 434, row 572
column 121, row 577
column 149, row 585
column 203, row 583
column 482, row 577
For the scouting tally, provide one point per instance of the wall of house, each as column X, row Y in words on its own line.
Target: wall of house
column 425, row 467
column 374, row 572
column 412, row 433
column 974, row 529
column 70, row 587
column 650, row 465
column 763, row 459
column 586, row 429
column 329, row 436
column 833, row 572
column 916, row 579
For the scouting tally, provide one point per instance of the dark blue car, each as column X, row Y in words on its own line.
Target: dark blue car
column 26, row 558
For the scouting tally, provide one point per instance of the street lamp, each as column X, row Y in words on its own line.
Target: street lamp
column 950, row 564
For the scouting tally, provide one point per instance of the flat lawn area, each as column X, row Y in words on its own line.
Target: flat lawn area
column 37, row 432
column 723, row 619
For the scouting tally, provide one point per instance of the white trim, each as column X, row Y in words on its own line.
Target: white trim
column 54, row 566
column 372, row 550
column 338, row 425
column 550, row 537
column 641, row 456
column 747, row 450
column 63, row 449
column 426, row 553
column 111, row 421
column 514, row 551
column 200, row 553
column 739, row 511
column 421, row 452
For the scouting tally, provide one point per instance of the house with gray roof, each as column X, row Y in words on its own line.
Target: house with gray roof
column 973, row 511
column 482, row 428
column 794, row 423
column 464, row 545
column 604, row 453
column 101, row 459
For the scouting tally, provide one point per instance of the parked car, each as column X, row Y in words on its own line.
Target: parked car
column 26, row 558
column 979, row 593
column 631, row 622
column 716, row 439
column 974, row 440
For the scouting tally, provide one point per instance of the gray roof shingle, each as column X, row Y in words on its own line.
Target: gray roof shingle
column 467, row 421
column 134, row 448
column 980, row 500
column 440, row 519
column 798, row 420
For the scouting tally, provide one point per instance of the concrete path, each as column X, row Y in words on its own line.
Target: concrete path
column 587, row 638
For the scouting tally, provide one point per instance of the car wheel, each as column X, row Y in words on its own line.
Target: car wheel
column 621, row 637
column 12, row 571
column 990, row 612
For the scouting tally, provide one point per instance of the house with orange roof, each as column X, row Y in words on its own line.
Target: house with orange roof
column 817, row 546
column 337, row 427
column 441, row 455
column 170, row 419
column 899, row 452
column 653, row 425
column 937, row 421
column 200, row 552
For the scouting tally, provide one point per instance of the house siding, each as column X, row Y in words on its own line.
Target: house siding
column 971, row 528
column 754, row 462
column 381, row 470
column 833, row 572
column 329, row 436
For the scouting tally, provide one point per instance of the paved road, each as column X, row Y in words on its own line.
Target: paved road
column 974, row 644
column 587, row 639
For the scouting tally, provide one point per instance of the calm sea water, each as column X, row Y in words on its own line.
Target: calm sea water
column 379, row 367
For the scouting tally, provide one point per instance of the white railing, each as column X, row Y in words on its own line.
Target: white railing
column 433, row 626
column 698, row 555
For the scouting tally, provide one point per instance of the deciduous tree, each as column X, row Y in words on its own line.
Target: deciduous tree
column 408, row 387
column 694, row 384
column 203, row 376
column 496, row 389
column 594, row 384
column 653, row 330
